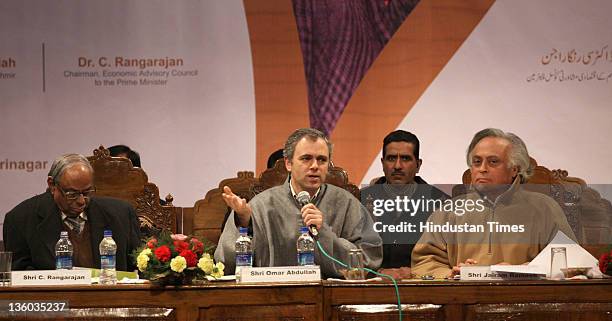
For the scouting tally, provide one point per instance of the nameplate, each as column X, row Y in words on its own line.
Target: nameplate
column 280, row 274
column 51, row 277
column 480, row 273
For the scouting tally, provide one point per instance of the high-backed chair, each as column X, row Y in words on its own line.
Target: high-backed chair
column 589, row 215
column 116, row 177
column 210, row 213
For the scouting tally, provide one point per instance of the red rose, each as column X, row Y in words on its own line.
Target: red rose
column 163, row 253
column 197, row 246
column 152, row 243
column 180, row 246
column 604, row 260
column 190, row 257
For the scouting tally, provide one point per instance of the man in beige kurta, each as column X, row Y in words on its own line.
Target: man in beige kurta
column 507, row 224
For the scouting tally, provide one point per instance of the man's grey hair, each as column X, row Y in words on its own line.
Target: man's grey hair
column 62, row 163
column 297, row 135
column 518, row 157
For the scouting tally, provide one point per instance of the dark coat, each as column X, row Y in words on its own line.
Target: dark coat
column 32, row 228
column 397, row 252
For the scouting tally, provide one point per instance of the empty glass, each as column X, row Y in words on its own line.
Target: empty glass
column 558, row 261
column 355, row 265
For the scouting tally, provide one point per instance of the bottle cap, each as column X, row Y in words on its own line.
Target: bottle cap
column 63, row 233
column 108, row 233
column 303, row 229
column 243, row 230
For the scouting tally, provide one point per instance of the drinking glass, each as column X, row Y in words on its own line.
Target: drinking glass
column 355, row 265
column 558, row 261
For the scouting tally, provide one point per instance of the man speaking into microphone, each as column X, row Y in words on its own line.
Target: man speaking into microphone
column 276, row 215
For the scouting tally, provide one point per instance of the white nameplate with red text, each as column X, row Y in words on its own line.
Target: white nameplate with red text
column 280, row 274
column 51, row 277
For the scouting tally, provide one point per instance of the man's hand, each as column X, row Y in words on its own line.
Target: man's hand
column 312, row 216
column 457, row 268
column 239, row 205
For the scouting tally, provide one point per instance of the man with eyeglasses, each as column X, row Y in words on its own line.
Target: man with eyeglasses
column 33, row 227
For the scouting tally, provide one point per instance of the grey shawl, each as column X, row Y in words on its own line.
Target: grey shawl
column 276, row 221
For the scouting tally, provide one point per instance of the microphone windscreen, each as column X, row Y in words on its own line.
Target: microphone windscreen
column 303, row 198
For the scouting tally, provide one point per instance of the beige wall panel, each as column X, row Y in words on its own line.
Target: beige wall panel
column 281, row 97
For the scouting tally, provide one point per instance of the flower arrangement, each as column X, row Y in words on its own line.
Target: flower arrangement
column 176, row 259
column 605, row 262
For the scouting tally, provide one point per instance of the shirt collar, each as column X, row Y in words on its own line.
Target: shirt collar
column 83, row 216
column 506, row 196
column 295, row 194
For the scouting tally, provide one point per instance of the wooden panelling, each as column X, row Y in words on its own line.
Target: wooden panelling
column 387, row 312
column 540, row 312
column 333, row 300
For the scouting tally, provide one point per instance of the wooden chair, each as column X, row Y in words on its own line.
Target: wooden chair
column 116, row 177
column 210, row 213
column 588, row 214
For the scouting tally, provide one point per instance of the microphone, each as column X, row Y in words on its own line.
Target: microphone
column 303, row 198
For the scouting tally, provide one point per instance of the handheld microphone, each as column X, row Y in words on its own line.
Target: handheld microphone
column 303, row 198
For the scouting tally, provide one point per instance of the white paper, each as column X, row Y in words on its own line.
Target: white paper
column 576, row 255
column 527, row 269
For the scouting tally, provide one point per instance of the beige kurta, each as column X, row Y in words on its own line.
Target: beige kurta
column 535, row 217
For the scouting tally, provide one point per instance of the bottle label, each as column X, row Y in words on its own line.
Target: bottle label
column 305, row 258
column 107, row 261
column 63, row 262
column 244, row 259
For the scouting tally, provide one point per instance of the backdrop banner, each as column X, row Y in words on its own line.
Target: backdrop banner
column 172, row 80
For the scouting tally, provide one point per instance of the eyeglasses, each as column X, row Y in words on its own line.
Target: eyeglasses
column 73, row 196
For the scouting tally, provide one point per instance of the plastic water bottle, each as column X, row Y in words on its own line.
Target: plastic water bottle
column 244, row 252
column 63, row 252
column 305, row 248
column 108, row 251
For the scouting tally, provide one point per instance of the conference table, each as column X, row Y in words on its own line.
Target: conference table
column 324, row 300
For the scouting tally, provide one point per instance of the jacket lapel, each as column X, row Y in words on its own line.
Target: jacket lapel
column 50, row 224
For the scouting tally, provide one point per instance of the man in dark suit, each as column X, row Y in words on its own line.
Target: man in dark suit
column 33, row 227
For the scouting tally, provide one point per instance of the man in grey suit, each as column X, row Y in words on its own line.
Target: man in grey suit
column 32, row 228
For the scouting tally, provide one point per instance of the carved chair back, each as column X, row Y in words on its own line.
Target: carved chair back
column 116, row 177
column 589, row 215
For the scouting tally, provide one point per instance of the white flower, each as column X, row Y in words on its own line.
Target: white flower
column 142, row 261
column 178, row 264
column 218, row 270
column 178, row 237
column 206, row 264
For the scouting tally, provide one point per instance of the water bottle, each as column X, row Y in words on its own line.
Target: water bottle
column 244, row 252
column 108, row 250
column 63, row 252
column 305, row 248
